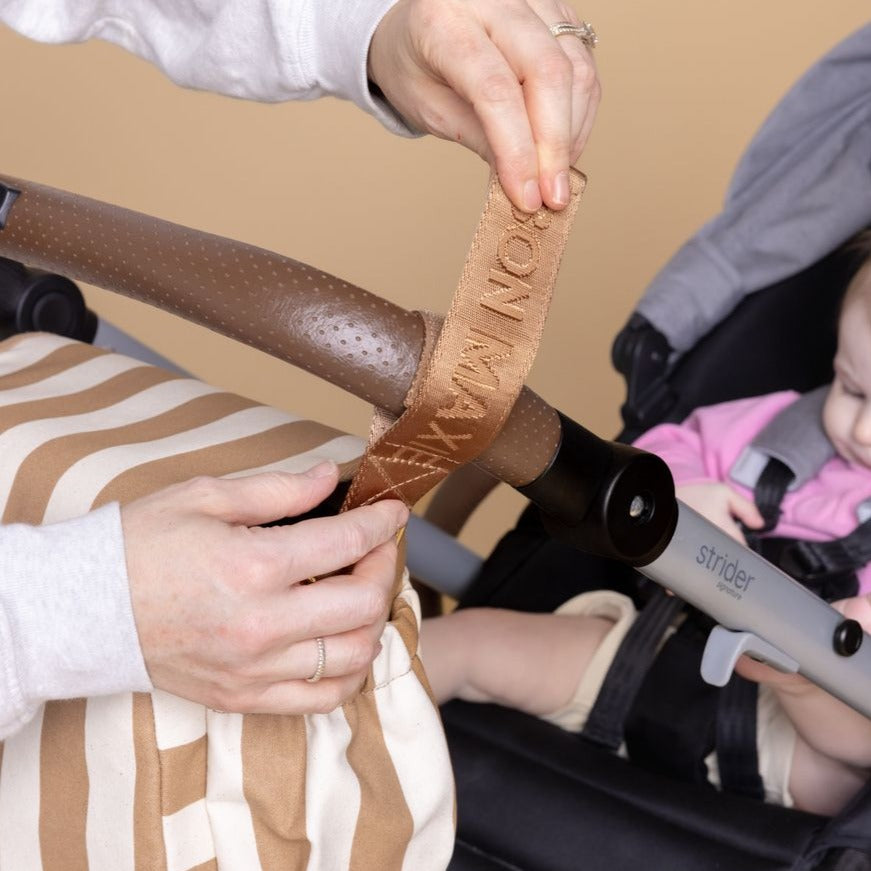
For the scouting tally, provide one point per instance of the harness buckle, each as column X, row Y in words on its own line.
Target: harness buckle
column 802, row 561
column 827, row 569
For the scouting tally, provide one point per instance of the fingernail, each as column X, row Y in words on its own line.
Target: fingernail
column 400, row 520
column 321, row 470
column 561, row 189
column 531, row 196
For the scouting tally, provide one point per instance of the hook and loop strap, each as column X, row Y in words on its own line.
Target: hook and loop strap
column 465, row 391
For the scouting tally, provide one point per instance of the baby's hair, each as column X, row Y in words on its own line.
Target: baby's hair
column 860, row 284
column 860, row 245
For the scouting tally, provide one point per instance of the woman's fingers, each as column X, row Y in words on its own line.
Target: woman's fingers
column 524, row 99
column 219, row 609
column 327, row 545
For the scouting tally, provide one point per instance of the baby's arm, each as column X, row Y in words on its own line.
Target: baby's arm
column 702, row 449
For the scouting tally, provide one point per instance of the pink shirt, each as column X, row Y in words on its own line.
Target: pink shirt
column 706, row 445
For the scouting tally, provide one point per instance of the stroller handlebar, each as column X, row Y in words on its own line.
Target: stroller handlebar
column 315, row 321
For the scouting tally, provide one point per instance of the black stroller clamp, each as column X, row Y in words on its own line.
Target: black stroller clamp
column 642, row 355
column 32, row 300
column 605, row 497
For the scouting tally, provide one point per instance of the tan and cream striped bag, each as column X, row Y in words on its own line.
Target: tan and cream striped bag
column 139, row 782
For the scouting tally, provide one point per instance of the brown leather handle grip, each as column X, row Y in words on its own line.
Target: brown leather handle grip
column 346, row 335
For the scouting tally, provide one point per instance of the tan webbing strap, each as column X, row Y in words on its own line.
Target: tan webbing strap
column 482, row 356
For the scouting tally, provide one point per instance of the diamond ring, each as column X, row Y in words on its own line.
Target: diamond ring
column 322, row 661
column 583, row 31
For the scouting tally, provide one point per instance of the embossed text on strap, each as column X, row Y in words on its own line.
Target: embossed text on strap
column 482, row 356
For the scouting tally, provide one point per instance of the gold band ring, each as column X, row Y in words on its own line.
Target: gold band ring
column 322, row 661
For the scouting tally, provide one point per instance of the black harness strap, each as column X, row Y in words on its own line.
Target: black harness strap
column 771, row 487
column 781, row 552
column 796, row 447
column 671, row 727
column 737, row 752
column 826, row 567
column 606, row 722
column 814, row 559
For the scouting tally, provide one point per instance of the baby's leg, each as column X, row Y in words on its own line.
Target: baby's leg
column 820, row 784
column 533, row 662
column 831, row 758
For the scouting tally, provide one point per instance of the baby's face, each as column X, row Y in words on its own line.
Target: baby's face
column 847, row 411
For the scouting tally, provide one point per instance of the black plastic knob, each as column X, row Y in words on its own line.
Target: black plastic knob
column 848, row 637
column 606, row 498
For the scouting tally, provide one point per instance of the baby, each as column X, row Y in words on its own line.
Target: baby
column 814, row 751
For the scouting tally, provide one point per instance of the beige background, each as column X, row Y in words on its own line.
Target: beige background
column 686, row 85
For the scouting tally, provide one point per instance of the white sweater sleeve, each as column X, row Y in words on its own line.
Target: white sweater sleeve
column 66, row 620
column 266, row 50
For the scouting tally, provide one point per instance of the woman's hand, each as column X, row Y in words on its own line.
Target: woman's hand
column 490, row 75
column 222, row 616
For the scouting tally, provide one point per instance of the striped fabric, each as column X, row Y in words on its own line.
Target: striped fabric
column 151, row 782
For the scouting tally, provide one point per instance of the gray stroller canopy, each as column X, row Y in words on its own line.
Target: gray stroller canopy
column 802, row 187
